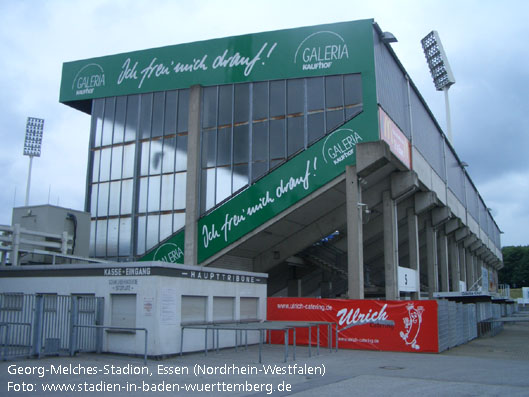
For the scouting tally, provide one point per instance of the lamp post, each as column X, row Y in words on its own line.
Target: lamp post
column 32, row 145
column 440, row 71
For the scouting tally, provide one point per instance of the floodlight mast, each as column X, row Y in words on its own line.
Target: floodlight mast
column 440, row 71
column 32, row 146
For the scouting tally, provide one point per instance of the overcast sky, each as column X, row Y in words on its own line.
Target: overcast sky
column 486, row 44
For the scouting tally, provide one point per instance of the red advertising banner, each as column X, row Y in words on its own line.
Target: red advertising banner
column 408, row 326
column 397, row 141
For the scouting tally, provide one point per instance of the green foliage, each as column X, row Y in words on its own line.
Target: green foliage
column 516, row 266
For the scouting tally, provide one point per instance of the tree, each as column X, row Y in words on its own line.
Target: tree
column 515, row 271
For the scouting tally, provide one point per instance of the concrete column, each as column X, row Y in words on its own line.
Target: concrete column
column 390, row 246
column 413, row 243
column 443, row 261
column 455, row 274
column 431, row 259
column 193, row 177
column 469, row 261
column 355, row 248
column 462, row 264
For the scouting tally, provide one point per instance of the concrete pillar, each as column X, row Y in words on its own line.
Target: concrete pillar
column 355, row 248
column 462, row 264
column 443, row 260
column 431, row 259
column 193, row 177
column 294, row 288
column 469, row 261
column 413, row 243
column 390, row 246
column 455, row 274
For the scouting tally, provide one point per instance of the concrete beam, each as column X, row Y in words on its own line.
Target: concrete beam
column 451, row 226
column 425, row 201
column 443, row 261
column 440, row 215
column 403, row 184
column 390, row 246
column 413, row 248
column 431, row 259
column 474, row 246
column 470, row 240
column 462, row 233
column 370, row 156
column 455, row 272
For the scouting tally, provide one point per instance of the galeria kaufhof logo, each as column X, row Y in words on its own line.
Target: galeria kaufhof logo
column 320, row 50
column 89, row 78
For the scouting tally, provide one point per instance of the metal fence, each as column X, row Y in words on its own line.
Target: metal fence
column 43, row 324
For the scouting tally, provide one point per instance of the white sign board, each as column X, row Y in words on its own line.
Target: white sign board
column 462, row 286
column 408, row 280
column 168, row 312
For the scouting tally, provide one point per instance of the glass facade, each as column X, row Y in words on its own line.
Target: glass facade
column 138, row 150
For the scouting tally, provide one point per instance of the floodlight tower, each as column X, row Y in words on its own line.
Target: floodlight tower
column 440, row 71
column 32, row 145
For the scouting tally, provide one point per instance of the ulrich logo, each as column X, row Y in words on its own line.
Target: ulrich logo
column 340, row 145
column 320, row 50
column 89, row 78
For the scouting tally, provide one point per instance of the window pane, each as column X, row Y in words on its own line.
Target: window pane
column 315, row 93
column 97, row 120
column 92, row 248
column 117, row 158
column 223, row 183
column 334, row 119
column 108, row 122
column 153, row 226
column 119, row 123
column 277, row 139
column 170, row 112
column 209, row 148
column 156, row 157
column 112, row 237
column 142, row 204
column 240, row 177
column 124, row 236
column 154, row 194
column 166, row 226
column 296, row 140
column 169, row 151
column 104, row 170
column 296, row 96
column 207, row 192
column 180, row 191
column 242, row 103
column 181, row 153
column 260, row 101
column 183, row 108
column 114, row 201
column 333, row 91
column 224, row 147
column 225, row 104
column 259, row 149
column 131, row 125
column 277, row 98
column 93, row 199
column 158, row 111
column 167, row 192
column 145, row 116
column 209, row 110
column 128, row 160
column 179, row 220
column 126, row 196
column 241, row 145
column 315, row 126
column 95, row 166
column 353, row 89
column 101, row 238
column 102, row 200
column 140, row 244
column 145, row 155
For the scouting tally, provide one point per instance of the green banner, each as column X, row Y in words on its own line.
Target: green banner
column 309, row 51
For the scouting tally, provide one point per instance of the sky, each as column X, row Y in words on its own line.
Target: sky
column 485, row 42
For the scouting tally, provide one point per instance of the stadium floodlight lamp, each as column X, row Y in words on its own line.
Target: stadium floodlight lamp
column 32, row 145
column 437, row 61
